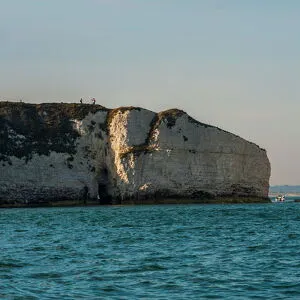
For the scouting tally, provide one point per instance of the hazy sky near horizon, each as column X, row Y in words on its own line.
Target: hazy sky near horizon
column 233, row 64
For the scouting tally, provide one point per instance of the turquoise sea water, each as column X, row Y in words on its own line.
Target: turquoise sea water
column 151, row 252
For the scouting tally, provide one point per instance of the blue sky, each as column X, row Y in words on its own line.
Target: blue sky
column 234, row 64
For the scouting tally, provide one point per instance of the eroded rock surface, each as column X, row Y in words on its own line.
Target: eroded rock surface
column 78, row 153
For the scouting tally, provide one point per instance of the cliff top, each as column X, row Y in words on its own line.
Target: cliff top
column 72, row 110
column 41, row 128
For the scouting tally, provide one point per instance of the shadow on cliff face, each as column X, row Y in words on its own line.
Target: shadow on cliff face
column 28, row 128
column 103, row 196
column 166, row 196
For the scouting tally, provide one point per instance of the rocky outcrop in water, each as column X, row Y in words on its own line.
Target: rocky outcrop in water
column 78, row 153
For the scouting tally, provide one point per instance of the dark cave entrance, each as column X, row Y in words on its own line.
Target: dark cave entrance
column 103, row 197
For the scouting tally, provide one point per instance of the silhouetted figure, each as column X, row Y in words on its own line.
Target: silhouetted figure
column 81, row 100
column 93, row 101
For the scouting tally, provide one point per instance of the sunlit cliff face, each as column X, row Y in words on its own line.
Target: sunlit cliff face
column 69, row 152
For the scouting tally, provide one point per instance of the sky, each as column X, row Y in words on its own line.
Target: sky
column 229, row 63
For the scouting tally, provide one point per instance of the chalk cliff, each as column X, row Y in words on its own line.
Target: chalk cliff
column 78, row 153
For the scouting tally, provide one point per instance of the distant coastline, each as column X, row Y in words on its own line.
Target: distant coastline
column 286, row 194
column 288, row 190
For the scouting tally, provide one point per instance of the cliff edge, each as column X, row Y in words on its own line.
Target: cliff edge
column 64, row 154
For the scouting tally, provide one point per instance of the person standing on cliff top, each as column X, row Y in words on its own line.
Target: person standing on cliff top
column 93, row 101
column 81, row 100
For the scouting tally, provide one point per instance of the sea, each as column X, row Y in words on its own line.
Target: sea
column 236, row 251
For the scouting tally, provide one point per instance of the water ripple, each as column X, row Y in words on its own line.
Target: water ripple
column 151, row 252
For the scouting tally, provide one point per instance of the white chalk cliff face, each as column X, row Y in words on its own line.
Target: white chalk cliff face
column 178, row 156
column 89, row 153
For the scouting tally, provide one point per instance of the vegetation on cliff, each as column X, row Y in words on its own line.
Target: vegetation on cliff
column 39, row 128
